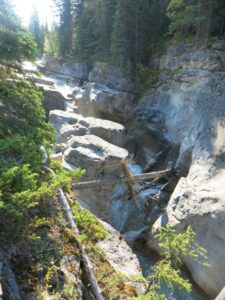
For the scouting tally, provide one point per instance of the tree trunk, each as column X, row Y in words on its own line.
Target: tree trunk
column 87, row 263
column 135, row 178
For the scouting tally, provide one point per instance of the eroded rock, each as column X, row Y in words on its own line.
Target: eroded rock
column 94, row 154
column 111, row 77
column 70, row 68
column 70, row 124
column 192, row 104
column 187, row 56
column 118, row 253
column 101, row 101
column 53, row 99
column 41, row 80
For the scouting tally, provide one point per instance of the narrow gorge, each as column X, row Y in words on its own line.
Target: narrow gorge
column 100, row 121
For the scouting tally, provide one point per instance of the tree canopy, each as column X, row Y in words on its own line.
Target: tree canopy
column 126, row 32
column 15, row 42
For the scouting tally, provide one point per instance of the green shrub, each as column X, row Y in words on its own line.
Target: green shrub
column 65, row 177
column 23, row 131
column 167, row 271
column 90, row 228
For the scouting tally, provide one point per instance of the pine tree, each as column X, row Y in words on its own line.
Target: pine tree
column 65, row 27
column 138, row 26
column 123, row 37
column 15, row 42
column 37, row 30
column 201, row 18
column 105, row 12
column 86, row 41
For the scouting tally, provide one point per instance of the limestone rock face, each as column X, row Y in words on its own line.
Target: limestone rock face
column 69, row 124
column 94, row 154
column 70, row 68
column 92, row 144
column 221, row 295
column 111, row 77
column 53, row 99
column 191, row 103
column 101, row 160
column 118, row 253
column 76, row 69
column 184, row 55
column 149, row 133
column 101, row 101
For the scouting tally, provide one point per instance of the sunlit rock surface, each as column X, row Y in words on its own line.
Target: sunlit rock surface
column 69, row 124
column 110, row 76
column 94, row 154
column 191, row 102
column 118, row 253
column 99, row 100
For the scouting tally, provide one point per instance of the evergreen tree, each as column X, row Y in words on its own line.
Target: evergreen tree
column 94, row 29
column 123, row 38
column 86, row 41
column 126, row 32
column 105, row 12
column 209, row 17
column 37, row 30
column 183, row 16
column 220, row 18
column 65, row 27
column 202, row 18
column 138, row 26
column 15, row 42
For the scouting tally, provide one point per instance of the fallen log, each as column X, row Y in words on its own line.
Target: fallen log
column 86, row 261
column 1, row 290
column 135, row 178
column 8, row 281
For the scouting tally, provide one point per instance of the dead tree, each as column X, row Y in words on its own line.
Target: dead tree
column 131, row 179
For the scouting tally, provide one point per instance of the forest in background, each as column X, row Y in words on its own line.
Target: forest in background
column 126, row 32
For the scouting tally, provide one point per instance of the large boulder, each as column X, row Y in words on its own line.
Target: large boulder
column 53, row 99
column 69, row 124
column 101, row 101
column 95, row 155
column 101, row 161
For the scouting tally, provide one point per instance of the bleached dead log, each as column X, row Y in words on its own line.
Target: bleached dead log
column 1, row 290
column 87, row 263
column 8, row 280
column 135, row 178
